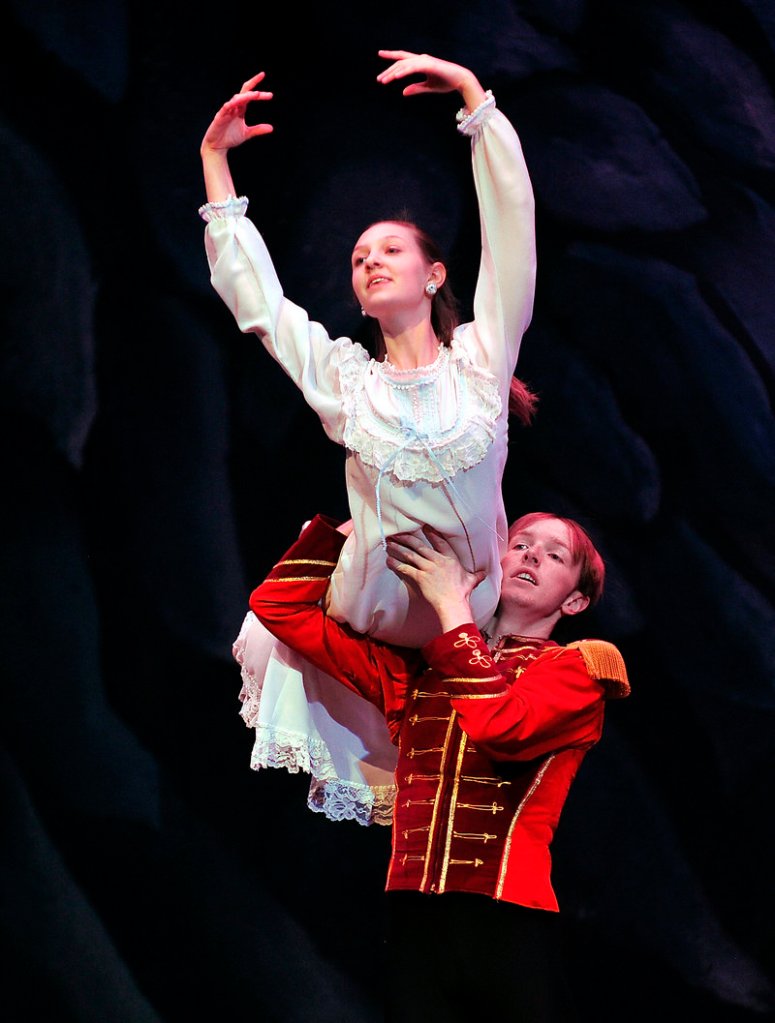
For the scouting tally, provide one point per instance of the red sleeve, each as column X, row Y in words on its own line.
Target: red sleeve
column 552, row 704
column 288, row 603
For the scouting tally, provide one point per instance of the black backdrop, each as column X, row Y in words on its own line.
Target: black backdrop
column 155, row 463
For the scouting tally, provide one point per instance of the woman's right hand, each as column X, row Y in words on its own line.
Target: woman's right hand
column 228, row 128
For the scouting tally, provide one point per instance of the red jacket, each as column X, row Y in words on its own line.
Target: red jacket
column 488, row 741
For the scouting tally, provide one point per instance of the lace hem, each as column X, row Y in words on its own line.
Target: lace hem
column 250, row 693
column 250, row 698
column 291, row 751
column 328, row 794
column 344, row 801
column 296, row 752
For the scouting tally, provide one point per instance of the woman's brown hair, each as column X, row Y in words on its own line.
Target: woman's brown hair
column 445, row 316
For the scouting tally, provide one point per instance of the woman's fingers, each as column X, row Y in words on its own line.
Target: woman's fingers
column 403, row 64
column 240, row 100
column 251, row 83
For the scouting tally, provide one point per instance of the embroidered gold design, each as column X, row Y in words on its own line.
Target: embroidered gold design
column 466, row 640
column 473, row 836
column 528, row 653
column 461, row 750
column 420, row 694
column 484, row 781
column 410, row 831
column 406, row 858
column 422, row 752
column 507, row 846
column 416, row 718
column 480, row 658
column 423, row 777
column 492, row 808
column 466, row 863
column 417, row 802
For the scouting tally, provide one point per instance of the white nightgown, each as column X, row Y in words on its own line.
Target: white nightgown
column 425, row 446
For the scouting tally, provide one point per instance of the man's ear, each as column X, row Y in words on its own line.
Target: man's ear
column 574, row 604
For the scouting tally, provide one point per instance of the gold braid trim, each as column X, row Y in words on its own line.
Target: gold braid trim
column 298, row 579
column 480, row 696
column 277, row 576
column 604, row 663
column 304, row 561
column 472, row 679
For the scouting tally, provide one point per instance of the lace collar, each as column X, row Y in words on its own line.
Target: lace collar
column 396, row 377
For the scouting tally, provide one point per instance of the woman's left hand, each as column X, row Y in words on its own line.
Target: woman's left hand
column 440, row 75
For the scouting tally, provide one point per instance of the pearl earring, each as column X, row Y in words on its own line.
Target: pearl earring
column 431, row 289
column 363, row 312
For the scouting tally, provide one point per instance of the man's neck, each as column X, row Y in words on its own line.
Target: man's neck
column 520, row 625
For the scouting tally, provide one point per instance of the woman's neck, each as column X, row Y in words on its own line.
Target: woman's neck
column 411, row 346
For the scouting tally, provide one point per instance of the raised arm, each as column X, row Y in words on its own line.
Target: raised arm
column 505, row 290
column 227, row 130
column 243, row 274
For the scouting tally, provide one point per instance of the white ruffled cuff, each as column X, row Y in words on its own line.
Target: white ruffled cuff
column 469, row 122
column 230, row 207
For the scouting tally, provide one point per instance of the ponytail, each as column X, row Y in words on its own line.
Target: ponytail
column 522, row 401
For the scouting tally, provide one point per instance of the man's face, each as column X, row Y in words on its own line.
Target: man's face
column 539, row 570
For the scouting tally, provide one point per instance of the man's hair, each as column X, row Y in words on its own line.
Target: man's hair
column 583, row 552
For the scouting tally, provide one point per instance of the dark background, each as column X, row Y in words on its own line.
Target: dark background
column 155, row 463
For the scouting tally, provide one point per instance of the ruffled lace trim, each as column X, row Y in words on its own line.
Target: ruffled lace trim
column 328, row 794
column 405, row 450
column 470, row 123
column 291, row 751
column 344, row 801
column 230, row 207
column 420, row 374
column 250, row 698
column 250, row 694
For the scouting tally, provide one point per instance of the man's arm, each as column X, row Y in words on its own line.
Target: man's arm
column 553, row 703
column 288, row 603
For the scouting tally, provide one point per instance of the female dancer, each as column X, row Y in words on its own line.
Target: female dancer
column 424, row 420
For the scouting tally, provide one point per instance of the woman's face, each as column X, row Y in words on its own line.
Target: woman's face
column 389, row 271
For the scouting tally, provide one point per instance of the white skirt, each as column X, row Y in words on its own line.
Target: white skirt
column 305, row 720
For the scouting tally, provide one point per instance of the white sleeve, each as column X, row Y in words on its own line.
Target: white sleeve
column 503, row 302
column 242, row 273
